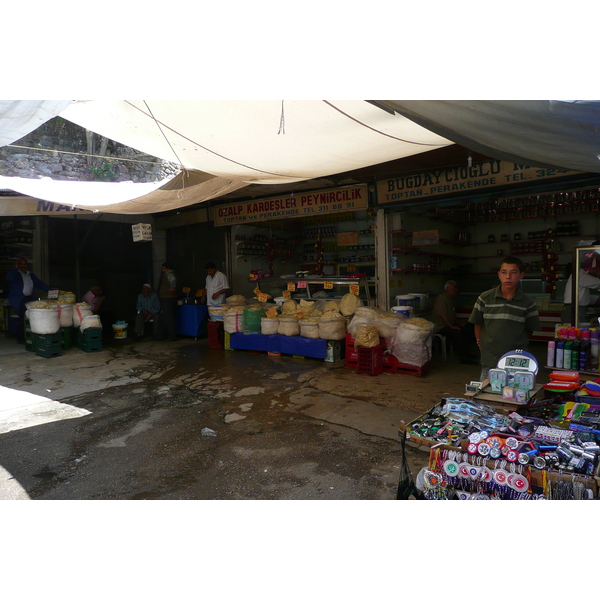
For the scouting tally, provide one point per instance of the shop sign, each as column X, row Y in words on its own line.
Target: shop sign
column 454, row 180
column 142, row 232
column 306, row 204
column 30, row 206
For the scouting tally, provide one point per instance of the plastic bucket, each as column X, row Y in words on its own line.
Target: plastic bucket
column 404, row 311
column 406, row 300
column 120, row 330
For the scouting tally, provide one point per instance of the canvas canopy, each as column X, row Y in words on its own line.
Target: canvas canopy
column 225, row 145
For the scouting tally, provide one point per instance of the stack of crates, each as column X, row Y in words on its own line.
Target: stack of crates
column 216, row 338
column 370, row 360
column 66, row 337
column 90, row 339
column 48, row 345
column 29, row 337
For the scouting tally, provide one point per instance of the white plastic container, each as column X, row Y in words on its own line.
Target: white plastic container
column 119, row 329
column 406, row 300
column 216, row 312
column 43, row 320
column 404, row 311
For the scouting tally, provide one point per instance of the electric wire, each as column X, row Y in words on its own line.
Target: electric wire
column 377, row 130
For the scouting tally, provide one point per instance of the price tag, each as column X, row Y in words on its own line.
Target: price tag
column 301, row 284
column 257, row 291
column 272, row 313
column 291, row 286
column 328, row 285
column 186, row 290
column 199, row 293
column 52, row 294
column 262, row 297
column 286, row 293
column 354, row 290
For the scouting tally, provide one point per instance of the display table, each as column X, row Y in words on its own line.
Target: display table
column 297, row 345
column 191, row 319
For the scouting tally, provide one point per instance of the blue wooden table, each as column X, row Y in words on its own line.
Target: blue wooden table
column 191, row 319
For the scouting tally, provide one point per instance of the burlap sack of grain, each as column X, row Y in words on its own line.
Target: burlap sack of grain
column 269, row 326
column 332, row 329
column 412, row 343
column 309, row 328
column 288, row 326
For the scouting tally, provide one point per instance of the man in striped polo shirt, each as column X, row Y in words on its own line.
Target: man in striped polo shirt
column 504, row 317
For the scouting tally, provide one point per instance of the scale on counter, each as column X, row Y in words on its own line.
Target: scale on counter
column 515, row 370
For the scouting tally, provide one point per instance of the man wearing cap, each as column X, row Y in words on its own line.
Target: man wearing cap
column 148, row 309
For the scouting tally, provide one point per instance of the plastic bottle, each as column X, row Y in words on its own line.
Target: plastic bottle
column 567, row 352
column 575, row 350
column 595, row 343
column 551, row 352
column 584, row 354
column 560, row 351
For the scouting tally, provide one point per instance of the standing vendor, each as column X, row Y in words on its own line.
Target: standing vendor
column 504, row 317
column 217, row 285
column 22, row 285
column 587, row 281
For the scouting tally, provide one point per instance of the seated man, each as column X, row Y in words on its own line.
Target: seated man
column 444, row 318
column 148, row 309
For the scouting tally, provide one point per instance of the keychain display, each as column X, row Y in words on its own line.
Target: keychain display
column 478, row 454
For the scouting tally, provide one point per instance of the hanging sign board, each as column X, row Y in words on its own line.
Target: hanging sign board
column 306, row 204
column 492, row 173
column 142, row 232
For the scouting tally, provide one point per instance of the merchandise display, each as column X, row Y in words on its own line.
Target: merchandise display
column 547, row 450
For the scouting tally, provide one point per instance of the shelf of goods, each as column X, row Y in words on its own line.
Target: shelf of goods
column 302, row 284
column 481, row 450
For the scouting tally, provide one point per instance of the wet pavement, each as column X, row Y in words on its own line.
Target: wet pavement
column 177, row 420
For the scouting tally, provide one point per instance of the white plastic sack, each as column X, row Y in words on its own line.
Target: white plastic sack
column 79, row 312
column 233, row 322
column 412, row 344
column 65, row 315
column 288, row 326
column 92, row 321
column 43, row 320
column 309, row 329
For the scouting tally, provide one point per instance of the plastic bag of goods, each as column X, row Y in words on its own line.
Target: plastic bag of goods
column 412, row 343
column 309, row 327
column 65, row 314
column 43, row 320
column 289, row 307
column 367, row 337
column 216, row 312
column 349, row 303
column 236, row 300
column 269, row 326
column 252, row 319
column 288, row 326
column 233, row 320
column 91, row 321
column 332, row 328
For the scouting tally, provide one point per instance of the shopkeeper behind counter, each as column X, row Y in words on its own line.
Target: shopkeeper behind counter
column 217, row 286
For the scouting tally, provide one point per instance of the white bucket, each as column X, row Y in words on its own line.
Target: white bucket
column 404, row 311
column 120, row 330
column 406, row 300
